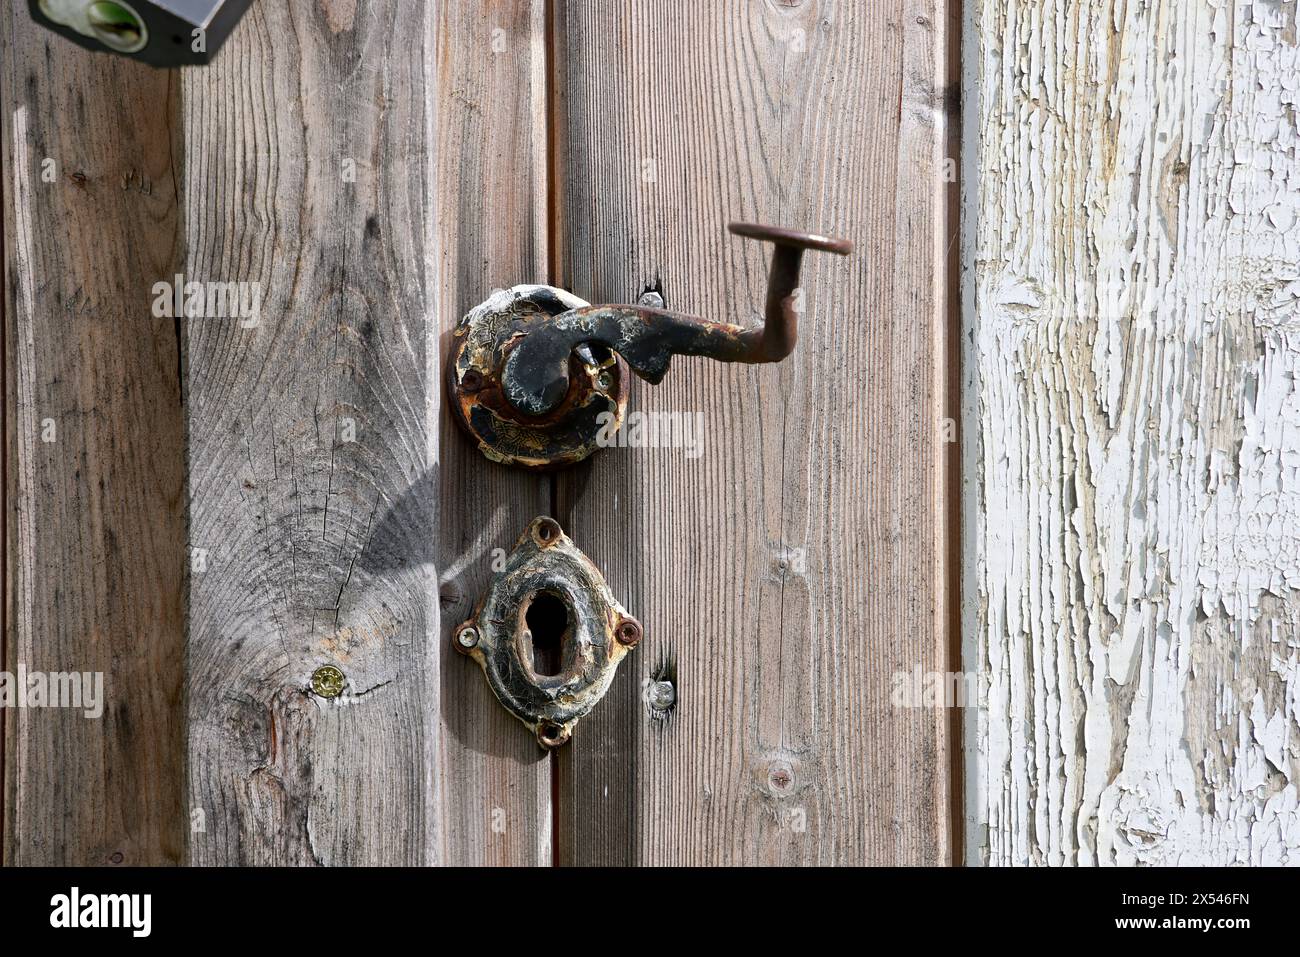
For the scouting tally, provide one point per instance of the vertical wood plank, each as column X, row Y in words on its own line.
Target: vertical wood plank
column 492, row 232
column 785, row 575
column 312, row 440
column 1134, row 564
column 94, row 526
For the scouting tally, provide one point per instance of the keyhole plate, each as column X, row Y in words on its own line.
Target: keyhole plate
column 593, row 407
column 548, row 634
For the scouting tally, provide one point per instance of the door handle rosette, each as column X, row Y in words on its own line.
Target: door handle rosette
column 537, row 374
column 548, row 633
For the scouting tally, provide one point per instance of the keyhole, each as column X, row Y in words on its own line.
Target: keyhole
column 547, row 619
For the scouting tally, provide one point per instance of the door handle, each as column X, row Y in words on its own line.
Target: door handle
column 536, row 373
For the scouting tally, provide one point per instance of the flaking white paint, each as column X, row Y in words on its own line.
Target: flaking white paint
column 1132, row 291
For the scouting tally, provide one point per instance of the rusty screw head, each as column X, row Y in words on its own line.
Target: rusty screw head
column 628, row 632
column 547, row 532
column 466, row 638
column 780, row 776
column 552, row 735
column 471, row 381
column 327, row 681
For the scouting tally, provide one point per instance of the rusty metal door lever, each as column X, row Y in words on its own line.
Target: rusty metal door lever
column 536, row 372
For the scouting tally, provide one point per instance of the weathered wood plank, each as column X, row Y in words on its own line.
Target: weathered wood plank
column 785, row 574
column 1134, row 566
column 312, row 440
column 95, row 535
column 492, row 233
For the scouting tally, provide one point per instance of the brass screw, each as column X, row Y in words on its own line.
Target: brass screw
column 327, row 681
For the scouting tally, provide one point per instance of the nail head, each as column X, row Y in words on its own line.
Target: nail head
column 662, row 695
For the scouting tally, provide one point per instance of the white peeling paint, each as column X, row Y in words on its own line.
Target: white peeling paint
column 1132, row 290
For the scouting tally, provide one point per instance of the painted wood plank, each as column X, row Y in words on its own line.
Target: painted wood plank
column 94, row 510
column 312, row 440
column 490, row 208
column 1133, row 569
column 785, row 574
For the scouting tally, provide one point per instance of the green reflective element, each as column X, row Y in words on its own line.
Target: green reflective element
column 116, row 25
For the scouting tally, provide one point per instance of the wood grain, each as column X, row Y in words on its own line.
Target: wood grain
column 94, row 526
column 491, row 214
column 1133, row 568
column 312, row 440
column 372, row 171
column 784, row 576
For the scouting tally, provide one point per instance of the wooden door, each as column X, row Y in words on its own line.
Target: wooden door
column 228, row 506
